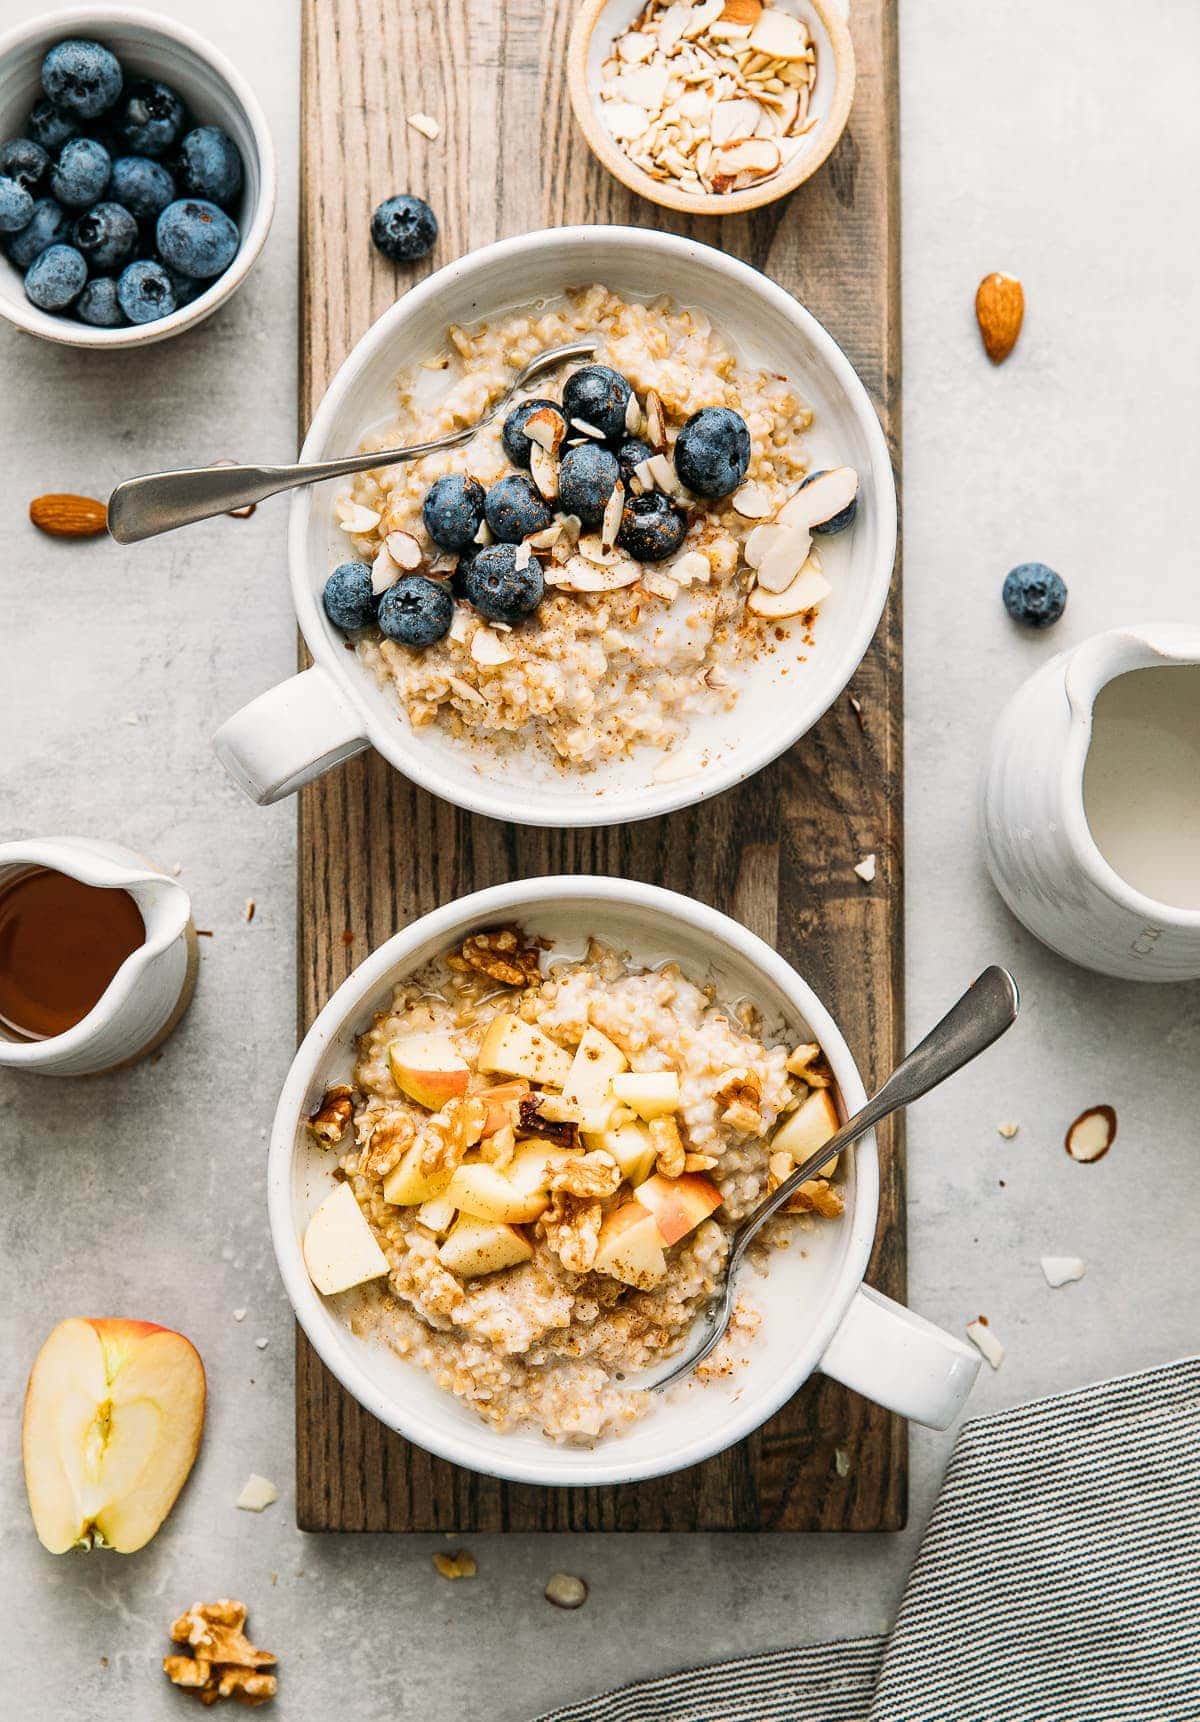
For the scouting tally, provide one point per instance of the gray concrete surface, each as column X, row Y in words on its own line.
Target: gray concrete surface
column 1055, row 142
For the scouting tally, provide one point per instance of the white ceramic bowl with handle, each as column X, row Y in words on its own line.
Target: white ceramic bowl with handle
column 148, row 45
column 817, row 1313
column 299, row 729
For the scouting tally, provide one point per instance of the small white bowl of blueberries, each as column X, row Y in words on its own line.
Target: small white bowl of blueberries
column 137, row 178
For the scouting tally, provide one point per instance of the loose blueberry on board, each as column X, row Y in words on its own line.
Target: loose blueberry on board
column 106, row 235
column 1034, row 595
column 652, row 527
column 151, row 117
column 81, row 174
column 586, row 476
column 501, row 590
column 49, row 126
column 145, row 291
column 98, row 304
column 514, row 508
column 144, row 186
column 517, row 445
column 632, row 452
column 83, row 76
column 416, row 611
column 404, row 228
column 16, row 206
column 49, row 225
column 453, row 511
column 838, row 522
column 210, row 165
column 25, row 161
column 197, row 238
column 55, row 280
column 348, row 598
column 712, row 451
column 599, row 396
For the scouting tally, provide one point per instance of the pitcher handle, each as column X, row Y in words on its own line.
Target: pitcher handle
column 288, row 736
column 900, row 1360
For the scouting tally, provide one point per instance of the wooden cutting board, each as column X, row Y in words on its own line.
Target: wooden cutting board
column 778, row 852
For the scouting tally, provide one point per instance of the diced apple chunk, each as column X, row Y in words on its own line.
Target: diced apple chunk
column 805, row 1130
column 486, row 1194
column 535, row 1163
column 409, row 1184
column 499, row 1102
column 438, row 1214
column 477, row 1247
column 428, row 1068
column 679, row 1204
column 631, row 1147
column 340, row 1249
column 651, row 1093
column 631, row 1247
column 512, row 1047
column 597, row 1060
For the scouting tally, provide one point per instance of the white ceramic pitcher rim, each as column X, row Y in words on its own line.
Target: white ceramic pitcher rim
column 1085, row 675
column 79, row 859
column 483, row 1451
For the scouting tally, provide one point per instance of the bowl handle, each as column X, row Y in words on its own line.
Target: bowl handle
column 901, row 1361
column 288, row 736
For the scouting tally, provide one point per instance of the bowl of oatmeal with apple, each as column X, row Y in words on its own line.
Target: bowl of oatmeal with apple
column 508, row 1162
column 643, row 579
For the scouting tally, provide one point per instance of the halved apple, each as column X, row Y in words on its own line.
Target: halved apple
column 513, row 1047
column 630, row 1146
column 651, row 1093
column 679, row 1204
column 477, row 1247
column 486, row 1194
column 631, row 1247
column 409, row 1184
column 339, row 1247
column 113, row 1416
column 808, row 1128
column 428, row 1068
column 597, row 1060
column 499, row 1102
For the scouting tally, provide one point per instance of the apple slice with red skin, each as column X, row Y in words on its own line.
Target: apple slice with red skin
column 630, row 1247
column 498, row 1101
column 678, row 1204
column 428, row 1068
column 113, row 1416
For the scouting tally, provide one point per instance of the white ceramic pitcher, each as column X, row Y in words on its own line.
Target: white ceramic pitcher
column 1040, row 849
column 153, row 986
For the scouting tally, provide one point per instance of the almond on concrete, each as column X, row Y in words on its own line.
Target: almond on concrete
column 65, row 516
column 999, row 311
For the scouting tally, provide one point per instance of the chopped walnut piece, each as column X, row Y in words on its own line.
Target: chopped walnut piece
column 388, row 1141
column 498, row 1148
column 459, row 1565
column 225, row 1664
column 740, row 1093
column 807, row 1063
column 668, row 1146
column 502, row 955
column 450, row 1132
column 188, row 1671
column 595, row 1174
column 571, row 1226
column 816, row 1196
column 330, row 1122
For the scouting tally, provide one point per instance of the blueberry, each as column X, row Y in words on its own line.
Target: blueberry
column 82, row 76
column 514, row 508
column 56, row 278
column 106, row 235
column 501, row 591
column 81, row 174
column 25, row 161
column 145, row 187
column 145, row 291
column 151, row 117
column 416, row 611
column 1034, row 595
column 210, row 165
column 50, row 127
column 404, row 228
column 49, row 225
column 348, row 598
column 98, row 304
column 453, row 511
column 458, row 579
column 185, row 288
column 197, row 238
column 517, row 445
column 632, row 453
column 586, row 476
column 652, row 526
column 712, row 451
column 836, row 522
column 599, row 396
column 16, row 206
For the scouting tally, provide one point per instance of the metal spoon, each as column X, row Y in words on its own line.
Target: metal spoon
column 987, row 1008
column 161, row 501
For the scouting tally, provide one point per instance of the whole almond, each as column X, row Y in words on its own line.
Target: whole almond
column 65, row 516
column 999, row 310
column 742, row 12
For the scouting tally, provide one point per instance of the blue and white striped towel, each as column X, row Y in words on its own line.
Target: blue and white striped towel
column 1058, row 1581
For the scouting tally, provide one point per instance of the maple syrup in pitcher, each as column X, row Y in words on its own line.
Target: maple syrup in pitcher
column 61, row 943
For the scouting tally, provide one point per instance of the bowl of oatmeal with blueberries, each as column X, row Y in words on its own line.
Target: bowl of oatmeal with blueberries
column 640, row 581
column 508, row 1163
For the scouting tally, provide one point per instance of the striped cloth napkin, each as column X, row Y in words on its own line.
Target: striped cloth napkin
column 1058, row 1581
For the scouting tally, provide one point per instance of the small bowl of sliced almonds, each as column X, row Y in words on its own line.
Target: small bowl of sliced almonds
column 711, row 107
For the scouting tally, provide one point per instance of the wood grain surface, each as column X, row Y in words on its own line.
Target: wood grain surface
column 778, row 852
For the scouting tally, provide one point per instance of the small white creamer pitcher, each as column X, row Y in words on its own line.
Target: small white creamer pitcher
column 153, row 986
column 1043, row 857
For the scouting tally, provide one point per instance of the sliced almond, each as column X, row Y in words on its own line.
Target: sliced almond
column 613, row 509
column 691, row 566
column 587, row 430
column 633, row 414
column 355, row 519
column 635, row 46
column 523, row 556
column 656, row 421
column 700, row 17
column 546, row 428
column 751, row 502
column 1060, row 1270
column 404, row 550
column 489, row 650
column 625, row 120
column 484, row 534
column 866, row 869
column 984, row 1340
column 806, row 591
column 460, row 623
column 821, row 498
column 672, row 25
column 384, row 572
column 645, row 86
column 592, row 548
column 1092, row 1134
column 663, row 476
column 779, row 35
column 733, row 121
column 425, row 124
column 784, row 557
column 757, row 157
column 548, row 537
column 543, row 469
column 580, row 575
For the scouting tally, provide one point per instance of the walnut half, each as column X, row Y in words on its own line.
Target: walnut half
column 330, row 1122
column 502, row 954
column 224, row 1663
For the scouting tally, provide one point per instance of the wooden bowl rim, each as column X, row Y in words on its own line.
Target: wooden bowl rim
column 610, row 154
